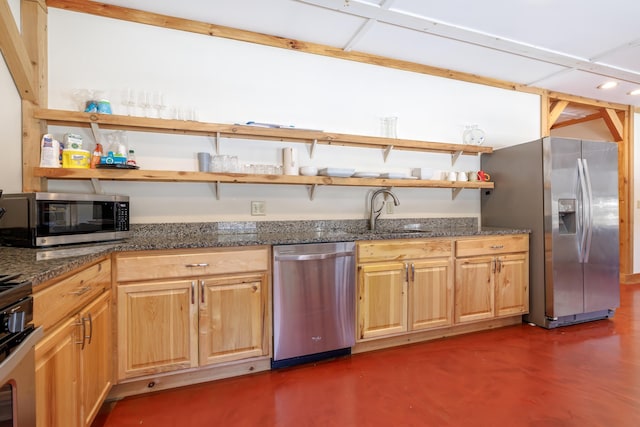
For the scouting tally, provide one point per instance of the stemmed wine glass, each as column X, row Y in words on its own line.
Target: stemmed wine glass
column 129, row 101
column 144, row 102
column 157, row 100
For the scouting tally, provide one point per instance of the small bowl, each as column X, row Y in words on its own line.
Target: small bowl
column 308, row 170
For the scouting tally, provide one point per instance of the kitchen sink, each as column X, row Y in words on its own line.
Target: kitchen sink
column 407, row 228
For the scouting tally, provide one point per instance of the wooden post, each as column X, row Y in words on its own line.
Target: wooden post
column 34, row 36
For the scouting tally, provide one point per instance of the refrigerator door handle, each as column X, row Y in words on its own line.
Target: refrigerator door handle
column 587, row 246
column 583, row 222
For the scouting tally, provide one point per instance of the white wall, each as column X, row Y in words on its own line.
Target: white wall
column 10, row 124
column 229, row 81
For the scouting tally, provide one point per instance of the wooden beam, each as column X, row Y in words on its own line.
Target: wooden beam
column 626, row 197
column 590, row 117
column 165, row 21
column 557, row 109
column 613, row 123
column 586, row 101
column 545, row 127
column 34, row 33
column 15, row 53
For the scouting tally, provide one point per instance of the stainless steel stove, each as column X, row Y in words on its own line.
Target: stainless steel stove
column 18, row 338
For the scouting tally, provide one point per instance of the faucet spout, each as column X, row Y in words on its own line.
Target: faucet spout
column 375, row 213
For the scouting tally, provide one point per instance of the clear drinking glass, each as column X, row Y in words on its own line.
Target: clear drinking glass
column 389, row 127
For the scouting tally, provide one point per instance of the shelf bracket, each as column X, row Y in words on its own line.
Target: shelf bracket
column 312, row 148
column 97, row 186
column 454, row 157
column 217, row 142
column 215, row 187
column 312, row 190
column 387, row 151
column 95, row 129
column 455, row 192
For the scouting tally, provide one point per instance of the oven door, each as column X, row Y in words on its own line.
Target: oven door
column 17, row 384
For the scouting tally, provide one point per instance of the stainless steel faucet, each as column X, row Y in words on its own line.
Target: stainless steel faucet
column 374, row 214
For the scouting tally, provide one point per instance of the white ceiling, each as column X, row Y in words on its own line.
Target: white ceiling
column 569, row 46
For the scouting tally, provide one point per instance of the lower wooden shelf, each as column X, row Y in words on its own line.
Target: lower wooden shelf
column 240, row 178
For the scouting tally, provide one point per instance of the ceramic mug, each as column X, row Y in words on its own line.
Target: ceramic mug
column 462, row 176
column 452, row 176
column 483, row 176
column 473, row 175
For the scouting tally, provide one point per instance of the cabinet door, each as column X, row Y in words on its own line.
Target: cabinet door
column 96, row 357
column 157, row 327
column 57, row 375
column 382, row 299
column 512, row 285
column 430, row 294
column 474, row 289
column 233, row 318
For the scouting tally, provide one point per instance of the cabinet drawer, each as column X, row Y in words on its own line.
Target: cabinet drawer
column 395, row 250
column 134, row 266
column 70, row 294
column 492, row 245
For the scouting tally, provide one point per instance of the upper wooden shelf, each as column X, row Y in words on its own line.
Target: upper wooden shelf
column 143, row 124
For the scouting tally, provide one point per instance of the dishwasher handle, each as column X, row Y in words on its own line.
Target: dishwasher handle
column 312, row 257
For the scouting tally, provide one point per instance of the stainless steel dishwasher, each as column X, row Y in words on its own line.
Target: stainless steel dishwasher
column 313, row 302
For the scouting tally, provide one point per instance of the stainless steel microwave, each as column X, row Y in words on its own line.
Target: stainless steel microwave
column 49, row 219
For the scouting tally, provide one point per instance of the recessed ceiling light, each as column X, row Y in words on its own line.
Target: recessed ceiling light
column 635, row 92
column 608, row 85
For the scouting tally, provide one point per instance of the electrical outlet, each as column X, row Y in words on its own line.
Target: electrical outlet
column 258, row 208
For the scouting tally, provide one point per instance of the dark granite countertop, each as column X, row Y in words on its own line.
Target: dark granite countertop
column 40, row 265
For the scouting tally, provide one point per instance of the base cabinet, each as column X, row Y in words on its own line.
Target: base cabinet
column 182, row 323
column 492, row 278
column 73, row 367
column 411, row 293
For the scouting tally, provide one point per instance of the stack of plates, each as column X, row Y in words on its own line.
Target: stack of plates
column 366, row 175
column 337, row 172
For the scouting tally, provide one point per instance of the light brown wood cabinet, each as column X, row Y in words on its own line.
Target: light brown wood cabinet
column 404, row 286
column 73, row 361
column 174, row 322
column 492, row 277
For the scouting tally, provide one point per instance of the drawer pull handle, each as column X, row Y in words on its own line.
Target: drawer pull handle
column 81, row 291
column 84, row 331
column 202, row 264
column 497, row 246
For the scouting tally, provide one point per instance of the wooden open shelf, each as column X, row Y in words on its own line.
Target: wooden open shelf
column 143, row 124
column 239, row 178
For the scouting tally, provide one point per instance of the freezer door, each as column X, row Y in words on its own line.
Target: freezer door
column 564, row 227
column 601, row 266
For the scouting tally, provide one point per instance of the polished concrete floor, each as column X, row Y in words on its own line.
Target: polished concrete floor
column 582, row 375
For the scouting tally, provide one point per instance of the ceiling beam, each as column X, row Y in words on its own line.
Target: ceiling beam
column 198, row 27
column 490, row 41
column 15, row 54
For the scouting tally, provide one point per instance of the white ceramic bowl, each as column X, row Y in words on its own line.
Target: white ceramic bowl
column 308, row 170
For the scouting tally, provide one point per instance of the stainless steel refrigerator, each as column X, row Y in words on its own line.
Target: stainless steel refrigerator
column 566, row 192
